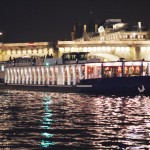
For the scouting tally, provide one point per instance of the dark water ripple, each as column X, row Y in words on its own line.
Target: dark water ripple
column 36, row 120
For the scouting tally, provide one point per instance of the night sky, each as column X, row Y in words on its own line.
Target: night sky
column 52, row 20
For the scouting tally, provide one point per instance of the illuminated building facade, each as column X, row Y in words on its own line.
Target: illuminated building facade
column 111, row 41
column 108, row 42
column 15, row 50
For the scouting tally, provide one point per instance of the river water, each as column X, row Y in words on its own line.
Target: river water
column 38, row 120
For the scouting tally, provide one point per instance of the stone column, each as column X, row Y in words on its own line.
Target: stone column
column 26, row 75
column 15, row 75
column 30, row 75
column 48, row 75
column 137, row 53
column 39, row 75
column 22, row 76
column 53, row 76
column 133, row 52
column 43, row 75
column 7, row 76
column 19, row 76
column 59, row 75
column 63, row 75
column 12, row 75
column 34, row 70
column 80, row 71
column 74, row 74
column 68, row 75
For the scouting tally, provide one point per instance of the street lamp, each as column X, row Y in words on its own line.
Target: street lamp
column 1, row 33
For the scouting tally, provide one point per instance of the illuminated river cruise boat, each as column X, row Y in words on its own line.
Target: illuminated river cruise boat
column 78, row 72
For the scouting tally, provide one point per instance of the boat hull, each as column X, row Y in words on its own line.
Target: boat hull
column 106, row 86
column 118, row 85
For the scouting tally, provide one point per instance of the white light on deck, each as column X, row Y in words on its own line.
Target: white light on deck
column 47, row 64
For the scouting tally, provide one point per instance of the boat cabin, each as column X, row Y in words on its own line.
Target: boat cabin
column 70, row 69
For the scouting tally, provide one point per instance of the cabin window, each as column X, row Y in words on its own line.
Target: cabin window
column 56, row 75
column 83, row 72
column 72, row 57
column 82, row 57
column 113, row 71
column 137, row 70
column 146, row 70
column 99, row 73
column 71, row 74
column 77, row 74
column 132, row 70
column 90, row 72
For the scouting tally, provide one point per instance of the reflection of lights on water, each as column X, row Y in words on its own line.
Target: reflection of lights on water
column 47, row 122
column 48, row 100
column 48, row 114
column 45, row 143
column 47, row 119
column 47, row 111
column 47, row 135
